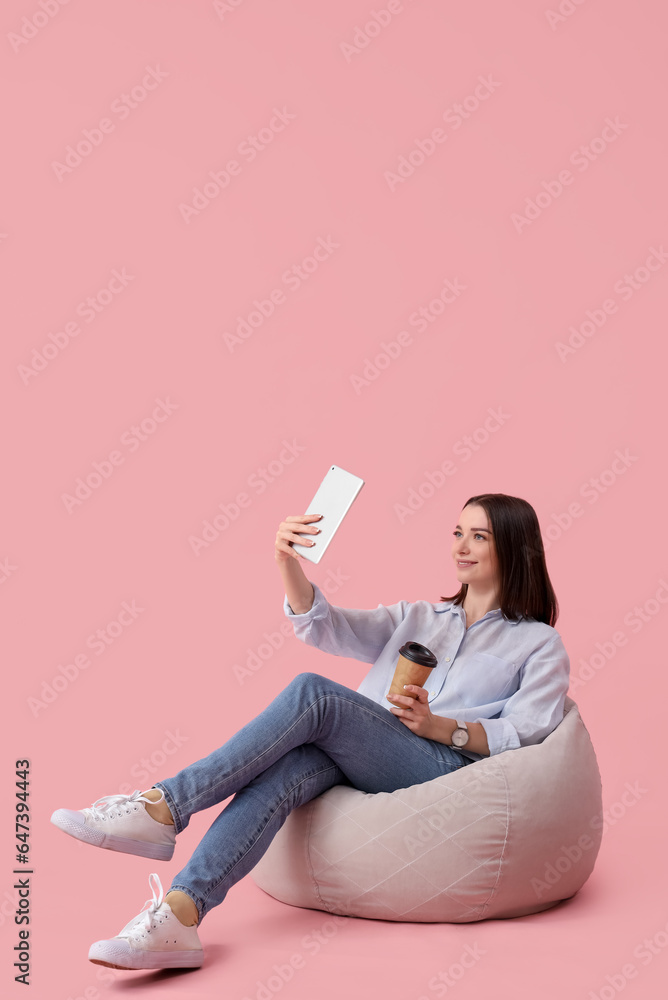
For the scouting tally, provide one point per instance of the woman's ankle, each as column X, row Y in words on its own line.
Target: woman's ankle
column 183, row 907
column 158, row 808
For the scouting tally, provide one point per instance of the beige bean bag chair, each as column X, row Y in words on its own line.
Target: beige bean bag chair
column 504, row 836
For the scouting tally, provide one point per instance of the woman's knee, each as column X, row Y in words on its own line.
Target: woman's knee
column 305, row 682
column 312, row 685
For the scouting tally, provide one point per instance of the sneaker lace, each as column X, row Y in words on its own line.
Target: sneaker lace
column 142, row 926
column 107, row 802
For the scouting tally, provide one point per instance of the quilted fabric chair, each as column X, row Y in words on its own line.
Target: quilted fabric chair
column 507, row 835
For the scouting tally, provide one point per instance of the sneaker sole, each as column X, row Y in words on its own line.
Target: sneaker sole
column 110, row 842
column 152, row 960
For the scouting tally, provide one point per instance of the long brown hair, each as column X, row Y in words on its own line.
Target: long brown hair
column 524, row 583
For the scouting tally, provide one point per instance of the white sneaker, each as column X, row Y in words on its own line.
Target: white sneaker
column 119, row 823
column 154, row 939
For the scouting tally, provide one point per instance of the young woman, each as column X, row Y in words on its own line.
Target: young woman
column 500, row 683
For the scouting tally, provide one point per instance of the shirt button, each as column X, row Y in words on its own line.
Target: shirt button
column 447, row 659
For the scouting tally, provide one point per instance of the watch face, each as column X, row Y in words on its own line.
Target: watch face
column 460, row 737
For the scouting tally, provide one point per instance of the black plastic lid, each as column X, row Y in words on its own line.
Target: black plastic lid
column 417, row 653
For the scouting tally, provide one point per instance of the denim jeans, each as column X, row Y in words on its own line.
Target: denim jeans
column 316, row 733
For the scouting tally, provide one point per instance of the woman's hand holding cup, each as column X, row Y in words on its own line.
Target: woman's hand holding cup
column 416, row 715
column 414, row 667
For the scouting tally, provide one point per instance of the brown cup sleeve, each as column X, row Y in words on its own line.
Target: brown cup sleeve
column 407, row 672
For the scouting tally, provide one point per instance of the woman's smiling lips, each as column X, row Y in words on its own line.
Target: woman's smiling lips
column 464, row 564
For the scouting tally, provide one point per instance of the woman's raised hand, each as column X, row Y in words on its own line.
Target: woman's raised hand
column 295, row 528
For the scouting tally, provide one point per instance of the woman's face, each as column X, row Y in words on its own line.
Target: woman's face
column 474, row 551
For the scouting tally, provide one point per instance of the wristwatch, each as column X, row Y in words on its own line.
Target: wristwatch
column 460, row 736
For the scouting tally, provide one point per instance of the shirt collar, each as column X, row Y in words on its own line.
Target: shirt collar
column 459, row 611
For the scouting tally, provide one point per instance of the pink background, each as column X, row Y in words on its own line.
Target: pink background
column 324, row 179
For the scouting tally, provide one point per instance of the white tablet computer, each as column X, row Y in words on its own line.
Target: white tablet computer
column 333, row 500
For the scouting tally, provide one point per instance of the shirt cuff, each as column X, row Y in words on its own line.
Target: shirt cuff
column 501, row 735
column 319, row 608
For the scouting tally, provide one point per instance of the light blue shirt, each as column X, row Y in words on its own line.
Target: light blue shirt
column 512, row 677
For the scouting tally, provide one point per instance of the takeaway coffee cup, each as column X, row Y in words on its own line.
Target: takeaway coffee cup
column 414, row 666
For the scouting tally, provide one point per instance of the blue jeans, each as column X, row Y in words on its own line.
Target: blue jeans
column 314, row 734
